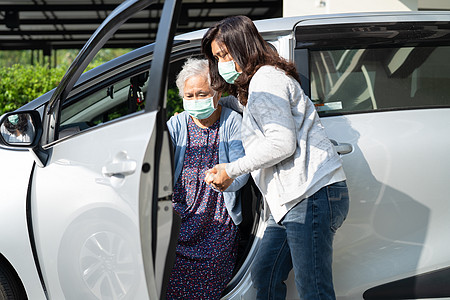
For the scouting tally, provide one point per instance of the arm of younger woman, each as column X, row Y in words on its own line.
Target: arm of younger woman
column 236, row 151
column 271, row 129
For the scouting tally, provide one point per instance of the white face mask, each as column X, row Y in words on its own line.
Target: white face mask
column 228, row 71
column 200, row 108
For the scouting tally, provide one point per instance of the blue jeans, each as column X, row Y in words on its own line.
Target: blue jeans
column 303, row 240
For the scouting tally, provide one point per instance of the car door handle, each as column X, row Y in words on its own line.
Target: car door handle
column 342, row 148
column 124, row 168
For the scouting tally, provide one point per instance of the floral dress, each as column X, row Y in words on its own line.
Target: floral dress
column 207, row 244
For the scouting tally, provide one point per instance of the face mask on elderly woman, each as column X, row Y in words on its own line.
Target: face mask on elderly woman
column 200, row 108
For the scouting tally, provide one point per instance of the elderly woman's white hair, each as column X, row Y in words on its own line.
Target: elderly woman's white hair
column 192, row 67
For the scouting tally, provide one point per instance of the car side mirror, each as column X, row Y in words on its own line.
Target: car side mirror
column 20, row 129
column 23, row 130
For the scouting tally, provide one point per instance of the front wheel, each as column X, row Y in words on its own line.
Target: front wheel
column 99, row 258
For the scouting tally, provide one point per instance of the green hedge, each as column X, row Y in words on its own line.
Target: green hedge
column 174, row 102
column 20, row 84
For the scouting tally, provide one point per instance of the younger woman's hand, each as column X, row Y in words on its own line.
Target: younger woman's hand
column 218, row 177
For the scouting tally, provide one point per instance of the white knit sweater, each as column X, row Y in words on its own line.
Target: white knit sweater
column 287, row 150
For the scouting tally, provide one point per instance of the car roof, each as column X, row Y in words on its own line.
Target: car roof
column 284, row 25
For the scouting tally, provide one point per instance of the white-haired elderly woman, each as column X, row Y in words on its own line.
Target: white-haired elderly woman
column 204, row 135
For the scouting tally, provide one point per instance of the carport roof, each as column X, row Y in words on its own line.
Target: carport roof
column 64, row 24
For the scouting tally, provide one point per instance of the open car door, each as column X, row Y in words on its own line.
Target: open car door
column 100, row 199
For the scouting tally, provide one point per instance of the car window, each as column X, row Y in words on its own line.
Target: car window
column 117, row 98
column 369, row 66
column 359, row 80
column 99, row 106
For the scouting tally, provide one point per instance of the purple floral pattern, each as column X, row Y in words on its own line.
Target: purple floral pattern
column 207, row 244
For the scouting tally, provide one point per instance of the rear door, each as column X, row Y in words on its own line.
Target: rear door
column 381, row 86
column 104, row 188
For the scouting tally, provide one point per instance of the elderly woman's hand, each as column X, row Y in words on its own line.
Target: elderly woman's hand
column 218, row 177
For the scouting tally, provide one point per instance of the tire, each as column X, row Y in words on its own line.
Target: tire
column 82, row 249
column 10, row 286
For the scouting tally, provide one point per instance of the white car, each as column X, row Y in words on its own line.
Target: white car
column 86, row 183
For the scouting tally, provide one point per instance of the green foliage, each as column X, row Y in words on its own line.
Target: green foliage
column 8, row 58
column 20, row 84
column 63, row 58
column 174, row 102
column 107, row 54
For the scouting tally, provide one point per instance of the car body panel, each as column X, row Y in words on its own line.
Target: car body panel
column 16, row 247
column 395, row 171
column 397, row 182
column 95, row 192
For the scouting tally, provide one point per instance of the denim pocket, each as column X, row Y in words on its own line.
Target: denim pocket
column 339, row 201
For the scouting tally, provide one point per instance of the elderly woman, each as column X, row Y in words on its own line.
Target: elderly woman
column 204, row 135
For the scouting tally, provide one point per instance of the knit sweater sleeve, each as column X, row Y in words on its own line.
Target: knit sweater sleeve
column 269, row 127
column 233, row 145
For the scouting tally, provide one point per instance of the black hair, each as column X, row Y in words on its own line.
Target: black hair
column 21, row 125
column 248, row 49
